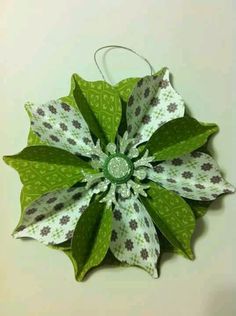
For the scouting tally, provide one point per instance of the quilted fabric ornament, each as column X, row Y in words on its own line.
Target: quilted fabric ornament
column 116, row 171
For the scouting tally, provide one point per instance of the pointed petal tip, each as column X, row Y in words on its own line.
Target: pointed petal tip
column 5, row 159
column 166, row 69
column 155, row 274
column 28, row 106
column 230, row 188
column 74, row 77
column 191, row 256
column 17, row 234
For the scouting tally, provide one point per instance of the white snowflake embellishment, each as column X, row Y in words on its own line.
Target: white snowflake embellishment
column 121, row 168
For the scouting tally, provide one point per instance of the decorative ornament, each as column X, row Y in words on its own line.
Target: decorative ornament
column 116, row 173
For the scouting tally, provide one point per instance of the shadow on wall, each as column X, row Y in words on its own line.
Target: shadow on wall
column 222, row 302
column 200, row 231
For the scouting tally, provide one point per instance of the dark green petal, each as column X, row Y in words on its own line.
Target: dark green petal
column 178, row 137
column 91, row 238
column 199, row 208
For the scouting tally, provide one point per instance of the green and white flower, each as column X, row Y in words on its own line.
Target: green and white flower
column 112, row 168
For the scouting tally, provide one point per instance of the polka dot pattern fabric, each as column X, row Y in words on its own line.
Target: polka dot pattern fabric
column 59, row 125
column 52, row 218
column 152, row 103
column 194, row 176
column 133, row 238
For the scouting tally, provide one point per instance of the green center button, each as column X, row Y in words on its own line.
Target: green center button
column 118, row 168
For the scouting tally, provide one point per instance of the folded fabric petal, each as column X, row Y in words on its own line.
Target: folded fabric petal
column 52, row 218
column 60, row 125
column 152, row 103
column 134, row 239
column 194, row 176
column 44, row 169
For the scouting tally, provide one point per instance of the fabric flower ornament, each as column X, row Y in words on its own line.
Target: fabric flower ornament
column 109, row 169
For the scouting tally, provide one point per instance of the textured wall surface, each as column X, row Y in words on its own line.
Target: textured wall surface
column 41, row 44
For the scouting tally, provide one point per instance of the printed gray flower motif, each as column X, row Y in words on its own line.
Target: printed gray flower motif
column 206, row 166
column 164, row 84
column 172, row 107
column 129, row 244
column 144, row 254
column 64, row 220
column 113, row 235
column 45, row 231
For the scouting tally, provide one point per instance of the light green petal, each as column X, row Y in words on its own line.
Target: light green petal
column 172, row 216
column 125, row 87
column 44, row 169
column 100, row 105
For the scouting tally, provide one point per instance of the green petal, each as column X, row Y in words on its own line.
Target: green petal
column 91, row 238
column 33, row 139
column 125, row 87
column 44, row 169
column 178, row 137
column 199, row 208
column 172, row 216
column 100, row 105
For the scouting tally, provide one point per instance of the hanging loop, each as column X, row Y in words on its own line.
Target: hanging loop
column 121, row 47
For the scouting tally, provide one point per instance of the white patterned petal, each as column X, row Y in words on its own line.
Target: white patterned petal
column 194, row 176
column 52, row 218
column 60, row 125
column 134, row 239
column 152, row 103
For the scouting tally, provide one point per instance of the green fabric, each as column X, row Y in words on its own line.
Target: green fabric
column 166, row 246
column 68, row 252
column 109, row 259
column 43, row 169
column 125, row 87
column 102, row 100
column 91, row 238
column 199, row 208
column 64, row 246
column 179, row 137
column 69, row 100
column 33, row 139
column 172, row 216
column 123, row 122
column 88, row 114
